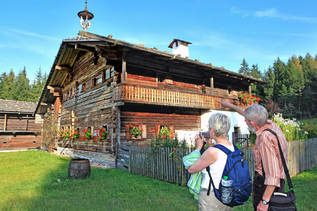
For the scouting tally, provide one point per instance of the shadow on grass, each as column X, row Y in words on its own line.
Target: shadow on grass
column 106, row 189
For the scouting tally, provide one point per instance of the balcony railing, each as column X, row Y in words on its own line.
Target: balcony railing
column 155, row 96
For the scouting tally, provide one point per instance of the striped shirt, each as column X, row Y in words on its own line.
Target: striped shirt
column 266, row 148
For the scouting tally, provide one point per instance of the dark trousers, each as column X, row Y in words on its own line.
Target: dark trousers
column 258, row 189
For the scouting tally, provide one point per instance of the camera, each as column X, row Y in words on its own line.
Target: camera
column 205, row 134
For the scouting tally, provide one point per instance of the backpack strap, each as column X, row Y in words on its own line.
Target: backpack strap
column 225, row 149
column 289, row 181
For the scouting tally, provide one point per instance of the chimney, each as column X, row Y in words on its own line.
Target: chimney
column 180, row 47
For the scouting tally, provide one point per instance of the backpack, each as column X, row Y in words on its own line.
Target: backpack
column 236, row 169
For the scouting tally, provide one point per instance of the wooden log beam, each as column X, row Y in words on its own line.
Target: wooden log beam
column 124, row 67
column 56, row 108
column 63, row 68
column 5, row 122
column 56, row 91
column 212, row 85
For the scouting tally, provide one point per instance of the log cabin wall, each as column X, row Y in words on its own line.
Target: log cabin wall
column 151, row 121
column 20, row 131
column 87, row 99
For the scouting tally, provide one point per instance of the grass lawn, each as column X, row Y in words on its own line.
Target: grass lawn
column 29, row 182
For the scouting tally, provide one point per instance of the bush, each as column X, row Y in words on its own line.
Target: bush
column 290, row 128
column 168, row 142
column 311, row 129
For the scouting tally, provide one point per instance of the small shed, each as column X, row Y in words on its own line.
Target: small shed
column 19, row 129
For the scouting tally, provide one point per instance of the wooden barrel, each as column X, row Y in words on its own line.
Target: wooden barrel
column 79, row 168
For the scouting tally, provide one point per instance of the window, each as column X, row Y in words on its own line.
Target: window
column 132, row 130
column 96, row 80
column 82, row 87
column 65, row 96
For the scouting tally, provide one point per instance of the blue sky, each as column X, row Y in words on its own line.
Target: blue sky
column 221, row 32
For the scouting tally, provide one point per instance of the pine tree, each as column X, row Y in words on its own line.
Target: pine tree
column 245, row 68
column 21, row 89
column 37, row 86
column 279, row 91
column 257, row 89
column 269, row 77
column 7, row 85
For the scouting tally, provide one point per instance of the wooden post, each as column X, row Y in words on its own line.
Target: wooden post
column 56, row 108
column 250, row 91
column 5, row 122
column 27, row 120
column 124, row 67
column 212, row 85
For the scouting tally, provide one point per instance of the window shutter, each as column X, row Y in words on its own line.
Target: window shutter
column 127, row 131
column 157, row 130
column 144, row 131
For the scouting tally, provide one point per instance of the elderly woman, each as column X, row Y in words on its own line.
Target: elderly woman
column 219, row 125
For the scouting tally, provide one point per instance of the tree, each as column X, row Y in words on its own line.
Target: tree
column 268, row 90
column 257, row 89
column 37, row 86
column 245, row 68
column 21, row 89
column 7, row 84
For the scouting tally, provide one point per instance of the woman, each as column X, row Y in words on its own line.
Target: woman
column 219, row 125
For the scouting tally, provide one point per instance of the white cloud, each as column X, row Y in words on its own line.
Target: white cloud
column 31, row 34
column 274, row 13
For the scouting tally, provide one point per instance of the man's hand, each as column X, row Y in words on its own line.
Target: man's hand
column 238, row 109
column 262, row 207
column 225, row 104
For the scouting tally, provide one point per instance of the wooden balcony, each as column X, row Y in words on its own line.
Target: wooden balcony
column 154, row 96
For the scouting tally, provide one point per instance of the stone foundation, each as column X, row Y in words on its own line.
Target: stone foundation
column 97, row 159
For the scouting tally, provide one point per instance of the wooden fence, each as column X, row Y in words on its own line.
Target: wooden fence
column 165, row 165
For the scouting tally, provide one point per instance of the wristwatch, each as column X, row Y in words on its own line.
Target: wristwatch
column 265, row 202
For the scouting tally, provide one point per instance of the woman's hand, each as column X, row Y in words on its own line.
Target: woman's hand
column 199, row 142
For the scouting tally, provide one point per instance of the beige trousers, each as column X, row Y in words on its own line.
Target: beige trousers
column 209, row 203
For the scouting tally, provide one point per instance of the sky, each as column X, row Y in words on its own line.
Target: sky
column 222, row 32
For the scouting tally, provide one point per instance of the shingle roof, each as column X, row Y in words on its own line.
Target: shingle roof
column 12, row 106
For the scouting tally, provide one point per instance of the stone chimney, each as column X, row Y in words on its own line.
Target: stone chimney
column 180, row 47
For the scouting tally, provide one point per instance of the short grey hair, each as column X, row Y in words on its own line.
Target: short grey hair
column 256, row 113
column 220, row 123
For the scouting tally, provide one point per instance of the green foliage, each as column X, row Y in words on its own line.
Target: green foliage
column 101, row 134
column 290, row 86
column 85, row 134
column 19, row 88
column 167, row 142
column 245, row 68
column 166, row 133
column 74, row 135
column 245, row 97
column 311, row 129
column 64, row 134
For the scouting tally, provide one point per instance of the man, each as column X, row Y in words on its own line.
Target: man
column 266, row 152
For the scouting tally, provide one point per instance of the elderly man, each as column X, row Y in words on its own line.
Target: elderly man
column 269, row 172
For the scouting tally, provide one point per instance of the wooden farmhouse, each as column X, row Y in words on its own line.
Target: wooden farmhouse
column 19, row 129
column 99, row 82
